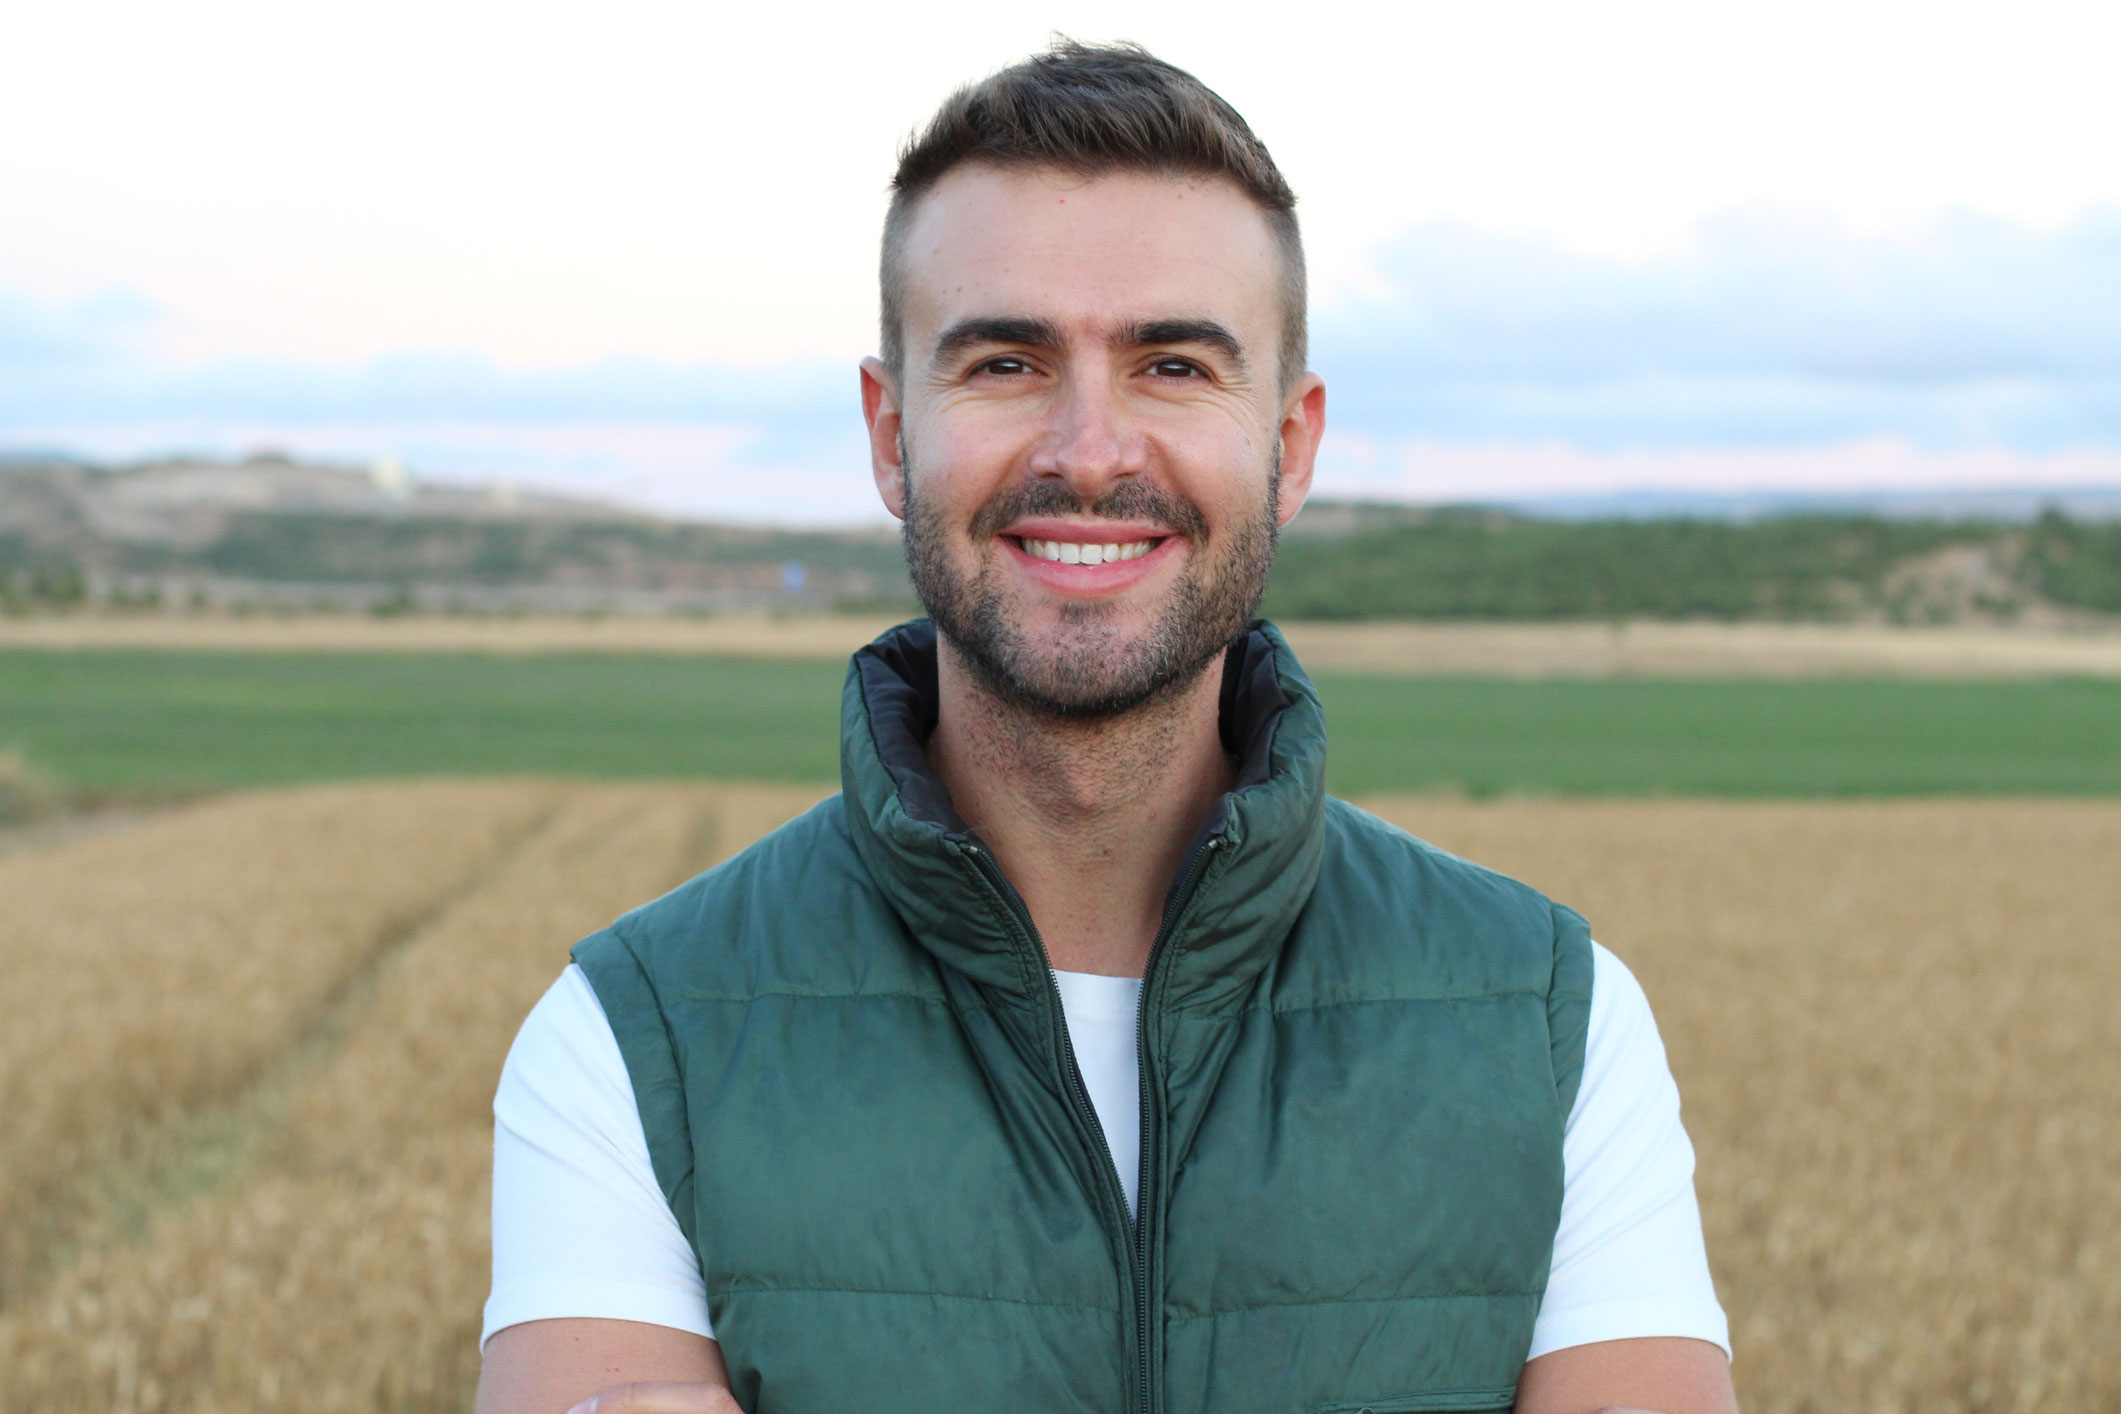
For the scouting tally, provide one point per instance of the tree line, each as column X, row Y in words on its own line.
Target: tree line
column 1371, row 563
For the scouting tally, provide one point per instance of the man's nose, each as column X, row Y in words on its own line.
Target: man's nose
column 1092, row 442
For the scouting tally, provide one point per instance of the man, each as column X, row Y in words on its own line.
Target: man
column 1081, row 1054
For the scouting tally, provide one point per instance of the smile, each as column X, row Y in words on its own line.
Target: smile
column 1070, row 552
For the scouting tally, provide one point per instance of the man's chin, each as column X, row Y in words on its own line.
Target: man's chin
column 1082, row 678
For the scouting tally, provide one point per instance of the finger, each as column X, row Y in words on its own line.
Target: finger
column 660, row 1397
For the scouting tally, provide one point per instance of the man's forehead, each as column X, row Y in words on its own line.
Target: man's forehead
column 1088, row 254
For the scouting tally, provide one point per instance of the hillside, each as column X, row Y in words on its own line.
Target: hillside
column 268, row 532
column 1464, row 563
column 271, row 533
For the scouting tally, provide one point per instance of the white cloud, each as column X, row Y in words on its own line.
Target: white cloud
column 1755, row 293
column 550, row 185
column 1362, row 468
column 1773, row 350
column 1769, row 328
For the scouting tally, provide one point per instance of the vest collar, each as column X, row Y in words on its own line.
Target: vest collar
column 1257, row 853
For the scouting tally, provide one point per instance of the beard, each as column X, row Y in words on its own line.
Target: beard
column 1095, row 669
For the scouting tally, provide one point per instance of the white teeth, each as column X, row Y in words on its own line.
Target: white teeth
column 1070, row 552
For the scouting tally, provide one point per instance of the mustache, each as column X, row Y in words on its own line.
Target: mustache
column 1129, row 500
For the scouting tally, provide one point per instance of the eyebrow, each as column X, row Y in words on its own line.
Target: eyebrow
column 1207, row 332
column 1020, row 330
column 1026, row 331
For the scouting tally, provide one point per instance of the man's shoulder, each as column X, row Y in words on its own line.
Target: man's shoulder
column 1360, row 839
column 768, row 916
column 1460, row 918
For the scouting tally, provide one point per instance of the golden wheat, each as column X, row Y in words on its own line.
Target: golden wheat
column 155, row 970
column 1892, row 1023
column 347, row 1271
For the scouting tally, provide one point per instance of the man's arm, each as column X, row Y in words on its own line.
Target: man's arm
column 544, row 1367
column 594, row 1283
column 547, row 1367
column 1670, row 1375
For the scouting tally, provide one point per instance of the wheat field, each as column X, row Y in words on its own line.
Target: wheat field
column 245, row 1159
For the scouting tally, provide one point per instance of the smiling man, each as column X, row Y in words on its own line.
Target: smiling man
column 1082, row 1054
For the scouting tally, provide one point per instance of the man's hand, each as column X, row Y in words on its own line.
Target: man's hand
column 666, row 1397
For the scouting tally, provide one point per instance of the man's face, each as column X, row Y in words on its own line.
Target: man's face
column 1090, row 444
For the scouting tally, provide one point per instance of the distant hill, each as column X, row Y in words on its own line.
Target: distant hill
column 2008, row 504
column 1405, row 562
column 268, row 532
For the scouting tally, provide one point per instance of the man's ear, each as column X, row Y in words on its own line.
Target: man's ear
column 880, row 409
column 1303, row 422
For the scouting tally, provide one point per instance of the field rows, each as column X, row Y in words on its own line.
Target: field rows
column 344, row 1267
column 262, row 1035
column 166, row 966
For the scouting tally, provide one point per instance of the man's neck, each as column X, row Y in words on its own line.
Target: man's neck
column 1089, row 819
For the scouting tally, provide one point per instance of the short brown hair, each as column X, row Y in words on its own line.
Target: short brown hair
column 1093, row 109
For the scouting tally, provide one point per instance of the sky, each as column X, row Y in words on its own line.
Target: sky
column 630, row 251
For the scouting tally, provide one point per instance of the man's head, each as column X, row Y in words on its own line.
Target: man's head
column 1093, row 338
column 1094, row 110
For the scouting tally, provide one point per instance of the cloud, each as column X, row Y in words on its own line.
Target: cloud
column 1772, row 330
column 760, row 442
column 86, row 332
column 1414, row 470
column 1760, row 293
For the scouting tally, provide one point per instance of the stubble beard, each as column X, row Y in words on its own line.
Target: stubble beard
column 1094, row 670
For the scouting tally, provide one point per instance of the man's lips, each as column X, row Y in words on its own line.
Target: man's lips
column 1070, row 552
column 1093, row 560
column 1074, row 542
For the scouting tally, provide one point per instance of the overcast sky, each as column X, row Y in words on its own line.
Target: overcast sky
column 631, row 249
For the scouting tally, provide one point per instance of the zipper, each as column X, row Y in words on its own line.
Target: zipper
column 1086, row 1108
column 1071, row 1072
column 1144, row 1207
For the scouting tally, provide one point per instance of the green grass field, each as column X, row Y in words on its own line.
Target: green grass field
column 153, row 722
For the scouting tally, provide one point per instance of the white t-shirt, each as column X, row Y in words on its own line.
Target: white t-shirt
column 581, row 1228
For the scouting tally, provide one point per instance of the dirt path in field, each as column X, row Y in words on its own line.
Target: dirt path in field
column 1703, row 650
column 761, row 636
column 1640, row 649
column 223, row 949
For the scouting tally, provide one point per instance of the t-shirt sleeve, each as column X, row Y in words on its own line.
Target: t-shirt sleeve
column 580, row 1226
column 1629, row 1260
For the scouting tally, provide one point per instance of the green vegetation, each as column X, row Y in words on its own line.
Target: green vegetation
column 2074, row 562
column 1734, row 738
column 152, row 722
column 174, row 721
column 311, row 548
column 1479, row 564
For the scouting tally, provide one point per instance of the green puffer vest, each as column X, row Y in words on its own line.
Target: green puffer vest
column 1358, row 1054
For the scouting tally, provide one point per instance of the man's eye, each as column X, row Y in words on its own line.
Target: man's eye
column 1004, row 367
column 1174, row 368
